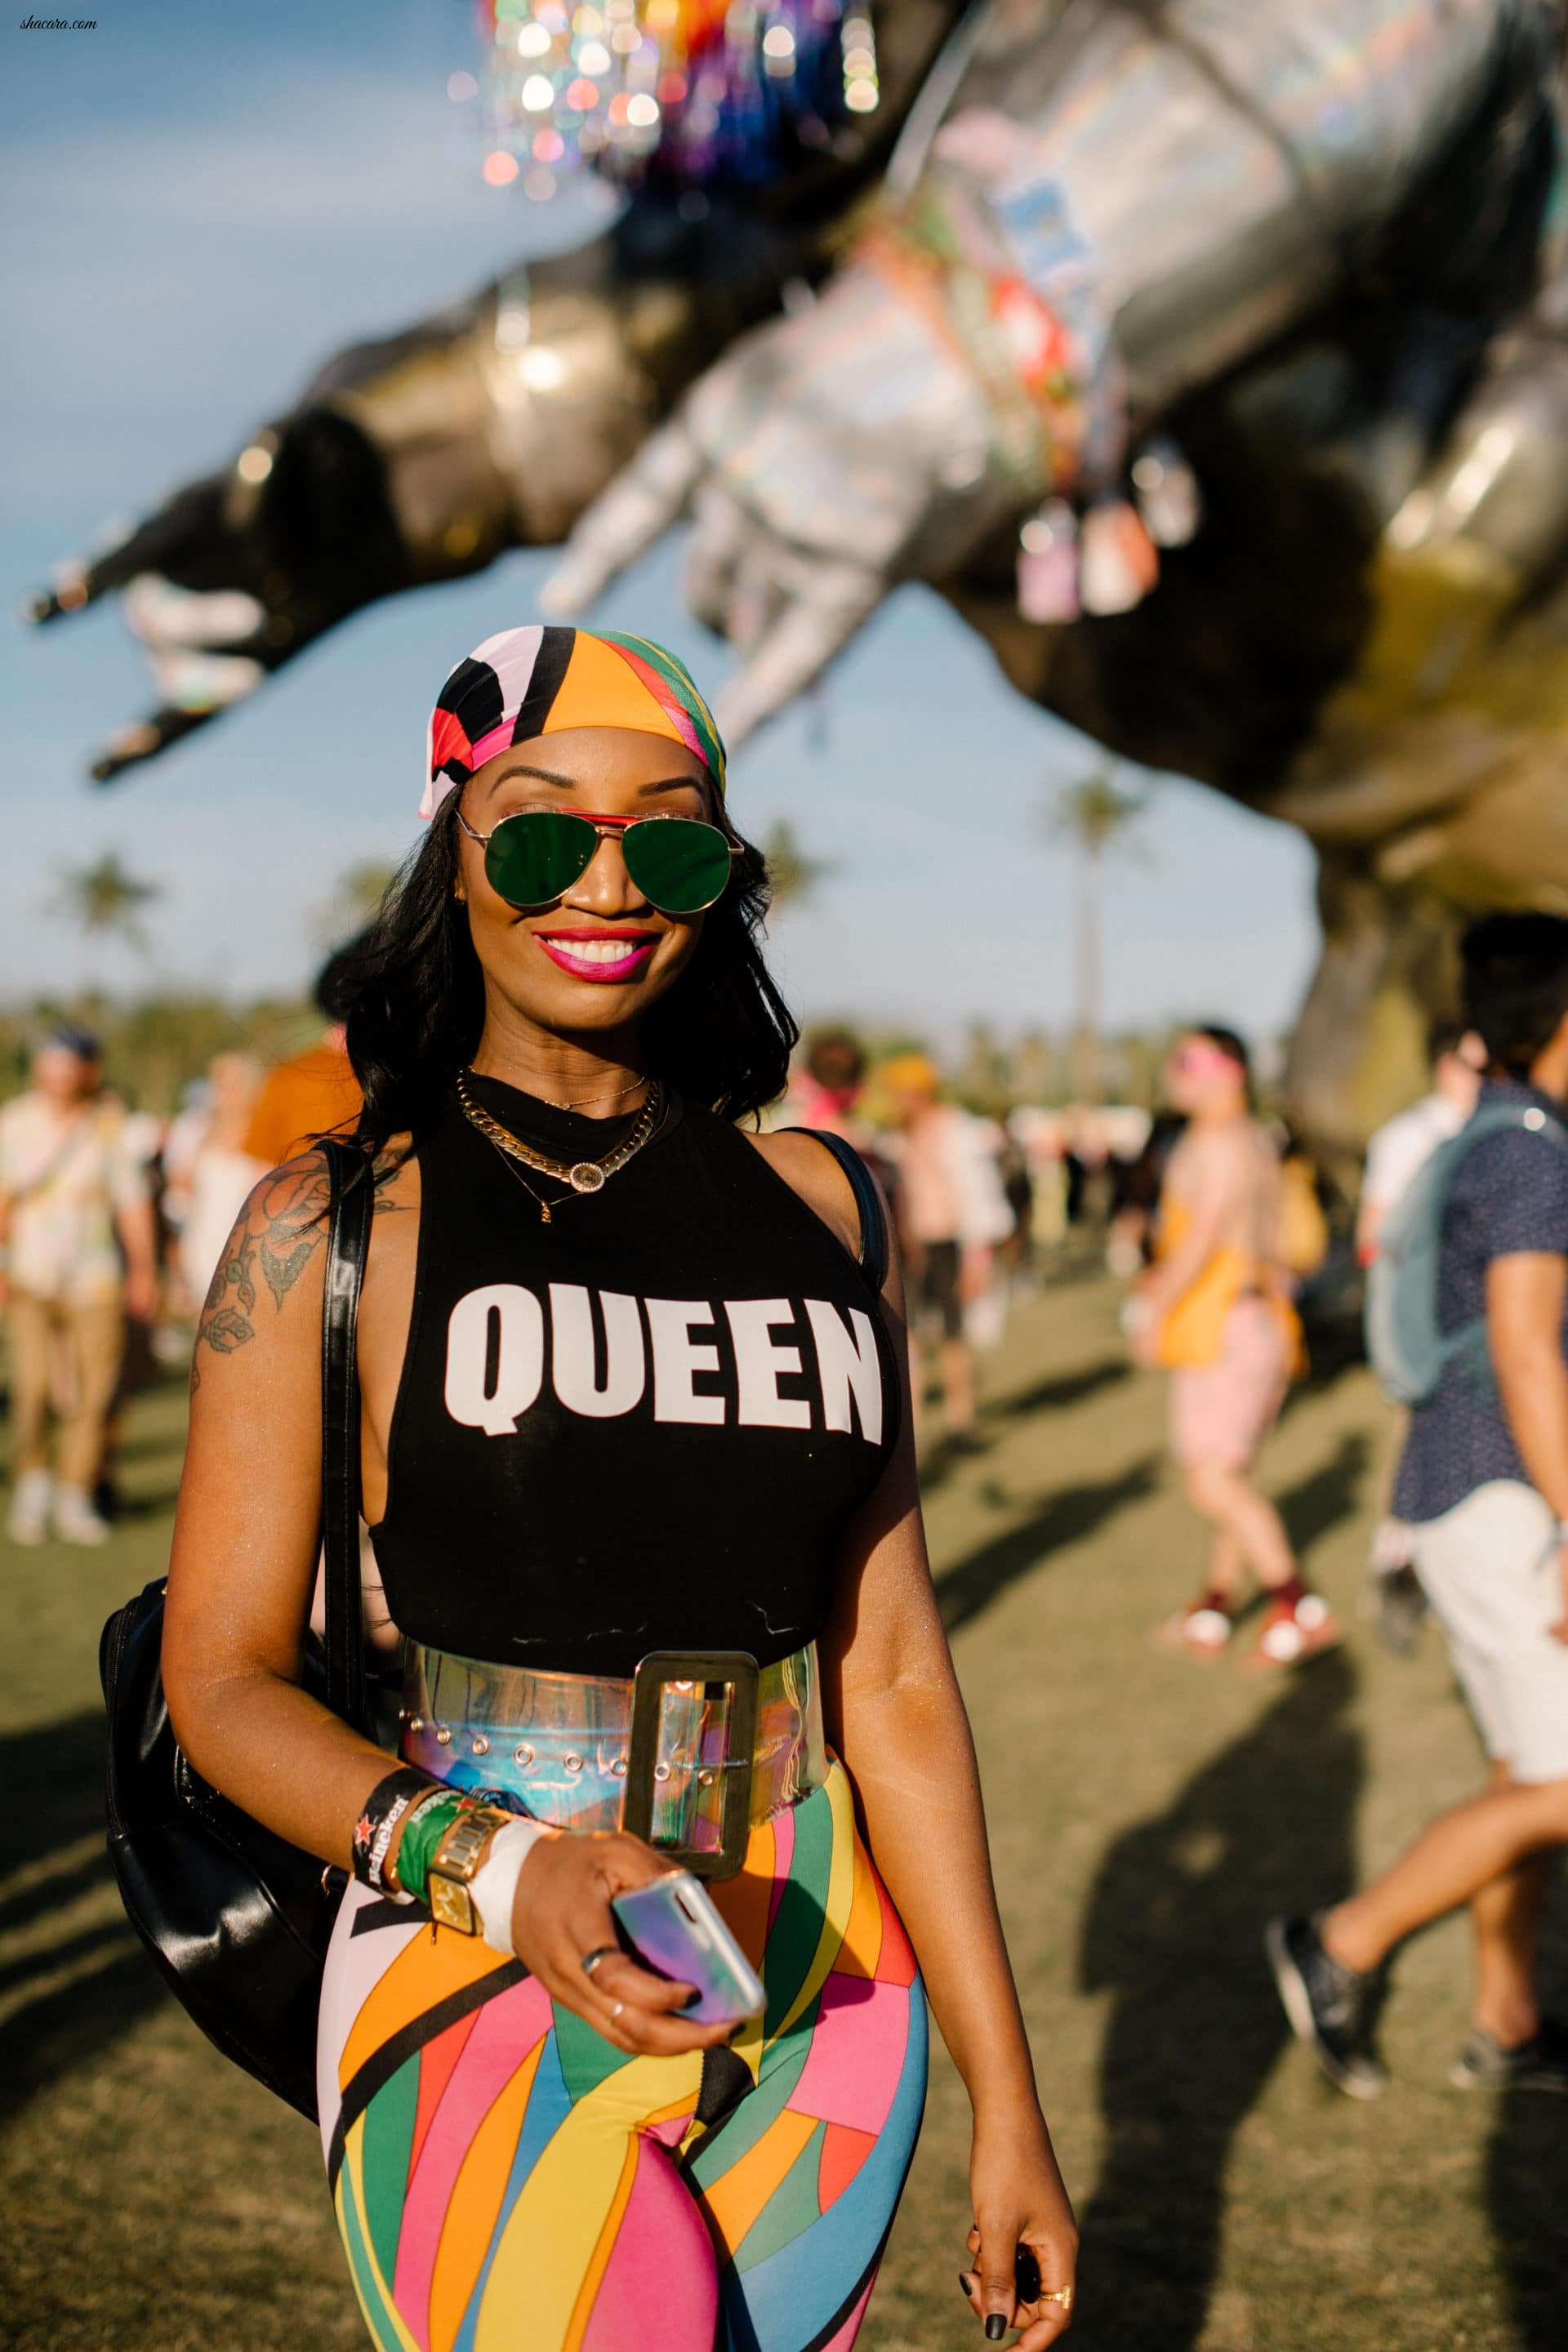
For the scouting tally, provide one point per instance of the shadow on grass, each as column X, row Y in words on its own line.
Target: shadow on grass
column 87, row 1981
column 1328, row 1495
column 972, row 1584
column 1064, row 1388
column 1526, row 2164
column 1174, row 1931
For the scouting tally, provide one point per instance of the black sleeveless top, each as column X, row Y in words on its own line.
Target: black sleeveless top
column 645, row 1425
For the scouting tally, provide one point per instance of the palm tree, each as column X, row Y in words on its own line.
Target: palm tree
column 793, row 874
column 1095, row 813
column 104, row 900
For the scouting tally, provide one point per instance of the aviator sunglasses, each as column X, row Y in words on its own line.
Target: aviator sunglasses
column 681, row 864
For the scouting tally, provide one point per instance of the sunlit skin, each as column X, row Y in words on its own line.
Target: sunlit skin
column 65, row 1079
column 1225, row 1174
column 68, row 1082
column 246, row 1538
column 577, row 1035
column 1494, row 1852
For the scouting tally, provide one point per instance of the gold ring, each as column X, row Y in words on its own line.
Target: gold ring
column 1062, row 2295
column 600, row 1952
column 616, row 2011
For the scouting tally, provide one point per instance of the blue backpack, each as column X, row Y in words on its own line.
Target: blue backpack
column 1409, row 1350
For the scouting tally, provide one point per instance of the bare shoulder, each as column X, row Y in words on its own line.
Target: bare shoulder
column 1206, row 1155
column 809, row 1168
column 269, row 1277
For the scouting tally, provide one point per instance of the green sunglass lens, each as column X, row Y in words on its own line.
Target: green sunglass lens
column 532, row 857
column 678, row 864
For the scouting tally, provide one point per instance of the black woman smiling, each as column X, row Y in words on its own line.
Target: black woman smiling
column 636, row 1460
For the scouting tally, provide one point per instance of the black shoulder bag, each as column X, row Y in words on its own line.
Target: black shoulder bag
column 238, row 1920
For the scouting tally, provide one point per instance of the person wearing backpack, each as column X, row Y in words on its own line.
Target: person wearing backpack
column 1468, row 1321
column 1395, row 1156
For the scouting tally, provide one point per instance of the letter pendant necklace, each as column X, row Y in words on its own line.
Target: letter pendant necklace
column 582, row 1175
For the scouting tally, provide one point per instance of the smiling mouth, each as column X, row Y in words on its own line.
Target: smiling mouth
column 598, row 955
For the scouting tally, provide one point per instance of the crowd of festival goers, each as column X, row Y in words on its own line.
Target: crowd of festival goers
column 113, row 1224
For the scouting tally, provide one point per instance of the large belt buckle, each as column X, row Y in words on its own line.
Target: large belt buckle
column 690, row 1756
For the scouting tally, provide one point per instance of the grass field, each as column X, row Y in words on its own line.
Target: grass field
column 1147, row 1814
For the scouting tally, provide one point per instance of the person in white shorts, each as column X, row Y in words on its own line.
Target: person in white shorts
column 1483, row 1485
column 1395, row 1158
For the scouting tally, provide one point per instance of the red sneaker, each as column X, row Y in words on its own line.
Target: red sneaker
column 1293, row 1634
column 1202, row 1632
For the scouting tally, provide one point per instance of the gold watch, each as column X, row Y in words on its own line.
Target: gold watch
column 456, row 1863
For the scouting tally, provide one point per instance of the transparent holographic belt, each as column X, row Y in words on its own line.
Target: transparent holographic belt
column 688, row 1753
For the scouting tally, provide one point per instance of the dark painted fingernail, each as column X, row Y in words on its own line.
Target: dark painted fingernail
column 968, row 2290
column 995, row 2328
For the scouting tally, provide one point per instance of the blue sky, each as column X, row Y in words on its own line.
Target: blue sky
column 202, row 204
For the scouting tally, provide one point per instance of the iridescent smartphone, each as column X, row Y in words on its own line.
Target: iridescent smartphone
column 675, row 1931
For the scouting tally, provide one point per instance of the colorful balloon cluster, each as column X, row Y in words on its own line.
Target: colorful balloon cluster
column 701, row 92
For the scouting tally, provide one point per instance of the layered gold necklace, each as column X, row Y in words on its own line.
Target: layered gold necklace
column 581, row 1175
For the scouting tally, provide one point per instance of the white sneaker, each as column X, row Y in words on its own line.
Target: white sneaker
column 76, row 1521
column 29, row 1520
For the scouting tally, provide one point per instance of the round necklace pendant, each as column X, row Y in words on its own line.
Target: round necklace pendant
column 586, row 1176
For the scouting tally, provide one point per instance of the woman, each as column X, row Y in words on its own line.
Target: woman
column 1215, row 1310
column 625, row 1390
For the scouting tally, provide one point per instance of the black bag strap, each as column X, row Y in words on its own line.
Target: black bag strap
column 867, row 1204
column 348, row 1241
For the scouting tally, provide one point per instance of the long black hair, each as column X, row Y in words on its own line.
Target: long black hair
column 722, row 1035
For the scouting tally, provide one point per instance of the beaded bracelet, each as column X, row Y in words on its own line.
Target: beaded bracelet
column 385, row 1806
column 427, row 1826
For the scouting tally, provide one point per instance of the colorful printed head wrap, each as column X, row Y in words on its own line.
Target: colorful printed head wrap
column 539, row 681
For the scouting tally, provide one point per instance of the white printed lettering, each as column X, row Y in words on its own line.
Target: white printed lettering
column 572, row 1361
column 759, row 1362
column 676, row 1359
column 847, row 1366
column 473, row 1397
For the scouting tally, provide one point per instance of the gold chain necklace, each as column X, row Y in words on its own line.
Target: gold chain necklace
column 582, row 1175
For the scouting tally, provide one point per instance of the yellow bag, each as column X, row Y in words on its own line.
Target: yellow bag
column 1302, row 1242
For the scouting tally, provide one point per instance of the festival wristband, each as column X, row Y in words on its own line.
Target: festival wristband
column 456, row 1863
column 493, row 1886
column 437, row 1792
column 423, row 1832
column 387, row 1804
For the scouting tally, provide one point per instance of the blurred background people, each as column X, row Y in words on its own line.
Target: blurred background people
column 824, row 1088
column 927, row 1209
column 207, row 1171
column 952, row 1214
column 1483, row 1483
column 1135, row 1205
column 1395, row 1156
column 1215, row 1310
column 1401, row 1147
column 76, row 1220
column 1016, row 1258
column 314, row 1092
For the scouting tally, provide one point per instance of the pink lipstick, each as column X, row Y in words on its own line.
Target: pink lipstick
column 603, row 954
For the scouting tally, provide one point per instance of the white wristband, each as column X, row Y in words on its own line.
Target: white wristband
column 494, row 1885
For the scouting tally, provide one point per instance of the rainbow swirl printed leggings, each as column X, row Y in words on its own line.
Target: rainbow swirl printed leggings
column 506, row 2180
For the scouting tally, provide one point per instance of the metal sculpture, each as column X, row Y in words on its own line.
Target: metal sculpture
column 1207, row 355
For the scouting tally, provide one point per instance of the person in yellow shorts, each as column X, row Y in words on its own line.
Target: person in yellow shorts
column 1215, row 1310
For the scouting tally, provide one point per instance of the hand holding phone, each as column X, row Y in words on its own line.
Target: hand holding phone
column 674, row 1929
